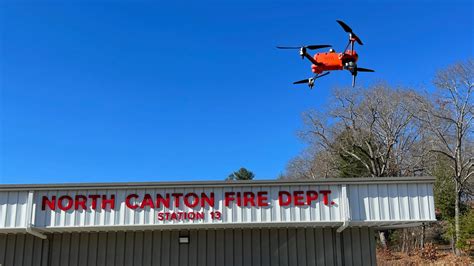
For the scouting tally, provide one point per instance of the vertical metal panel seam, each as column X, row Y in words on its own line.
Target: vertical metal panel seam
column 15, row 209
column 429, row 200
column 233, row 245
column 70, row 245
column 115, row 245
column 287, row 246
column 60, row 243
column 86, row 250
column 341, row 249
column 135, row 242
column 328, row 188
column 152, row 245
column 371, row 244
column 50, row 250
column 357, row 188
column 426, row 214
column 373, row 247
column 305, row 244
column 43, row 252
column 323, row 246
column 351, row 242
column 398, row 199
column 18, row 209
column 104, row 248
column 369, row 201
column 3, row 217
column 278, row 244
column 418, row 200
column 7, row 208
column 23, row 248
column 409, row 203
column 260, row 240
column 389, row 205
column 360, row 240
column 207, row 245
column 378, row 201
column 3, row 254
column 335, row 249
column 97, row 246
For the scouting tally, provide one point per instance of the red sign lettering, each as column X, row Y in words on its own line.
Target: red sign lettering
column 192, row 200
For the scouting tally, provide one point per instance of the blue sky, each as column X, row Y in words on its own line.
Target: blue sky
column 144, row 91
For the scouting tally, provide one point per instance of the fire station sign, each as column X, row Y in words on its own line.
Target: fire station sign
column 332, row 202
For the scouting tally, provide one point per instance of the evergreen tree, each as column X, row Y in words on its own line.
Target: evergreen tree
column 241, row 174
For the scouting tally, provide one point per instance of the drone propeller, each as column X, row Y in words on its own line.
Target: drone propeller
column 302, row 81
column 309, row 47
column 360, row 69
column 349, row 30
column 310, row 81
column 355, row 70
column 303, row 50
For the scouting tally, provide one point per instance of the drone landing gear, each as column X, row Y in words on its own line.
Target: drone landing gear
column 310, row 81
column 354, row 69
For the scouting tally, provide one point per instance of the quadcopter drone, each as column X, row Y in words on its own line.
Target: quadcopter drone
column 331, row 60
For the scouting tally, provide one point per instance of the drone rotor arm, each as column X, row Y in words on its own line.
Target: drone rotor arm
column 321, row 75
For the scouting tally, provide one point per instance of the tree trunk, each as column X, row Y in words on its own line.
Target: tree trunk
column 383, row 240
column 456, row 221
column 404, row 240
column 452, row 244
column 422, row 237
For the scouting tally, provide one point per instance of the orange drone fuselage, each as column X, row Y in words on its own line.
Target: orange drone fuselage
column 332, row 61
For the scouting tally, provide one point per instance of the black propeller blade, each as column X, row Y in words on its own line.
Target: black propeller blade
column 309, row 47
column 288, row 47
column 314, row 47
column 349, row 30
column 344, row 26
column 301, row 81
column 360, row 69
column 310, row 81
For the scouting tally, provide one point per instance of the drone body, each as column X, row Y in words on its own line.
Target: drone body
column 330, row 61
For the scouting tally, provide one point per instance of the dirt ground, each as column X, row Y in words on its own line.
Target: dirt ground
column 442, row 258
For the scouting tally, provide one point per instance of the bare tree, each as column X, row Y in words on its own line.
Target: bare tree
column 373, row 128
column 449, row 117
column 312, row 163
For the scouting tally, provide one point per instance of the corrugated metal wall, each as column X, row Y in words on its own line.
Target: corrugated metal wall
column 13, row 209
column 293, row 246
column 382, row 203
column 392, row 202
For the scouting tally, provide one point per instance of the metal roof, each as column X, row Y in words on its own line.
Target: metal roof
column 218, row 183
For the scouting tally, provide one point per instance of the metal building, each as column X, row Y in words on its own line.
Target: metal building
column 323, row 222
